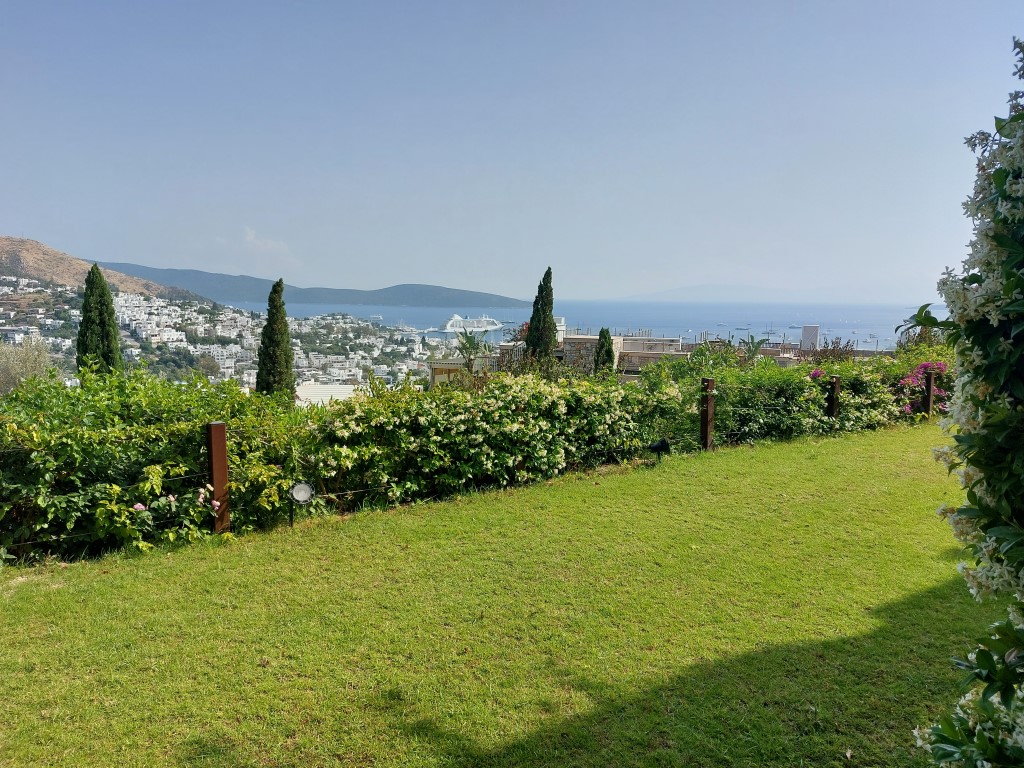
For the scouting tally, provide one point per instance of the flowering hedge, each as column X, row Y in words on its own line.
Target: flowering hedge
column 765, row 402
column 986, row 319
column 121, row 460
column 408, row 445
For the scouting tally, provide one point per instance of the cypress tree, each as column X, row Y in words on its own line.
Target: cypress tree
column 541, row 335
column 604, row 355
column 99, row 340
column 274, row 362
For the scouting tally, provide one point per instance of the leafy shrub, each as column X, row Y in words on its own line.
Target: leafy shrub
column 986, row 317
column 865, row 402
column 404, row 445
column 834, row 351
column 121, row 460
column 904, row 373
column 22, row 361
column 766, row 402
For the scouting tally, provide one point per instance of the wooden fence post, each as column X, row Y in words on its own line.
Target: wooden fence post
column 707, row 414
column 832, row 399
column 929, row 392
column 217, row 451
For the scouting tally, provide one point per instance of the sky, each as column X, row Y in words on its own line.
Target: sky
column 769, row 150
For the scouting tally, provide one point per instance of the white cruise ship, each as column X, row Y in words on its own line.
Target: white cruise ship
column 457, row 323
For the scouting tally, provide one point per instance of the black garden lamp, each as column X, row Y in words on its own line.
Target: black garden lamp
column 660, row 447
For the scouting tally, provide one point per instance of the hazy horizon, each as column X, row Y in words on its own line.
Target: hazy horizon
column 802, row 152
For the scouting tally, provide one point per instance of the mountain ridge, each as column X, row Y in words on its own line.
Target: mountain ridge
column 27, row 258
column 226, row 289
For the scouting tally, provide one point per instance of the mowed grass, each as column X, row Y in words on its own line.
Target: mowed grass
column 782, row 605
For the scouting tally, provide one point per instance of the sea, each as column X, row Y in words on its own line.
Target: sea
column 868, row 326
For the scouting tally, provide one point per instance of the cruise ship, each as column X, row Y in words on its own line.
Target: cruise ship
column 457, row 323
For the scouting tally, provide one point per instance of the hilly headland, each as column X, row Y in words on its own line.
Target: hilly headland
column 230, row 289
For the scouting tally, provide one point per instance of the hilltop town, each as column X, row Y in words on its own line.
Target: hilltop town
column 175, row 337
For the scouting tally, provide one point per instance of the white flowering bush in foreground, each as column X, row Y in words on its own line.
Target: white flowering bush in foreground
column 986, row 322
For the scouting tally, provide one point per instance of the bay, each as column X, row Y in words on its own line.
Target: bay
column 869, row 326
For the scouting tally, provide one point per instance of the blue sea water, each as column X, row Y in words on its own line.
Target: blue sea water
column 869, row 326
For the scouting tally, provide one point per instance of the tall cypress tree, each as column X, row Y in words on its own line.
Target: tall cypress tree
column 274, row 363
column 99, row 340
column 541, row 335
column 604, row 355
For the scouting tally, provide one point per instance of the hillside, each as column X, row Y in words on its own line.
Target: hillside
column 32, row 259
column 242, row 288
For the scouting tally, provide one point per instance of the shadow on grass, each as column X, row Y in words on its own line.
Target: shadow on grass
column 199, row 751
column 839, row 702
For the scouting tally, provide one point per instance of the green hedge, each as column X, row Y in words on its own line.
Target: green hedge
column 121, row 459
column 408, row 445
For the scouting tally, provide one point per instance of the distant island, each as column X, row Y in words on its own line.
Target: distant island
column 228, row 289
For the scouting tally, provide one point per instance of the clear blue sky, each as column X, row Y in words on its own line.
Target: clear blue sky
column 793, row 150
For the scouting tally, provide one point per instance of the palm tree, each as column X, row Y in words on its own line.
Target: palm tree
column 751, row 347
column 470, row 346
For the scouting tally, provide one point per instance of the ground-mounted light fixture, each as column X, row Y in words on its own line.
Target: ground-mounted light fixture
column 660, row 447
column 301, row 493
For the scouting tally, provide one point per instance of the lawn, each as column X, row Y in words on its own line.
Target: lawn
column 782, row 605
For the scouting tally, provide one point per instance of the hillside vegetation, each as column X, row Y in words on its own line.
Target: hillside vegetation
column 28, row 258
column 788, row 604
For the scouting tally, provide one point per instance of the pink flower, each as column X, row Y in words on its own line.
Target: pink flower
column 171, row 499
column 139, row 507
column 215, row 504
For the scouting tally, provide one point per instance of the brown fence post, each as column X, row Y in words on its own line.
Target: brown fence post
column 217, row 450
column 832, row 399
column 929, row 392
column 707, row 414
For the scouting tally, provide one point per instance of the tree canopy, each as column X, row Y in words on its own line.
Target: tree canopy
column 99, row 340
column 274, row 362
column 470, row 346
column 604, row 354
column 541, row 334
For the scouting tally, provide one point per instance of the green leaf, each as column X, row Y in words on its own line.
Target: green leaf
column 999, row 178
column 1007, row 243
column 1003, row 124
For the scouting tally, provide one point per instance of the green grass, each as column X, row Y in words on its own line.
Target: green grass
column 774, row 606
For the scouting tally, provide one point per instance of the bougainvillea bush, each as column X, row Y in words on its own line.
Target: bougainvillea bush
column 904, row 373
column 986, row 322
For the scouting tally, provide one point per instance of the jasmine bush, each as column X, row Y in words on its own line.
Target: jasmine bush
column 986, row 317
